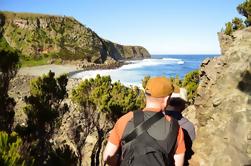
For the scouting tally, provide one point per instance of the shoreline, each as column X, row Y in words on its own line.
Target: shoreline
column 69, row 69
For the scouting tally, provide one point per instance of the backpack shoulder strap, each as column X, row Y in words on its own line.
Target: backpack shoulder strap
column 138, row 117
column 143, row 126
column 173, row 134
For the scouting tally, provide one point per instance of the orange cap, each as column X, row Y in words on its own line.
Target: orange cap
column 159, row 87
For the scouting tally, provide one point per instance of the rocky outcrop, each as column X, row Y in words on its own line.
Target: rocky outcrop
column 223, row 105
column 37, row 35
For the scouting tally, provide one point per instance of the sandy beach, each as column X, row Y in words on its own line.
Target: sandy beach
column 44, row 69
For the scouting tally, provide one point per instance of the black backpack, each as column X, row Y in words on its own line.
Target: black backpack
column 141, row 149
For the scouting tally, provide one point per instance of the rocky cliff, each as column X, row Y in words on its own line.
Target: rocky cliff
column 37, row 35
column 223, row 105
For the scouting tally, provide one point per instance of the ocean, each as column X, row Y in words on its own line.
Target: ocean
column 158, row 65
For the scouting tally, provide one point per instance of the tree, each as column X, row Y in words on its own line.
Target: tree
column 229, row 28
column 44, row 110
column 237, row 24
column 9, row 65
column 245, row 10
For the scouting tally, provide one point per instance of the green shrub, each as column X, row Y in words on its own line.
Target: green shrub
column 229, row 28
column 144, row 81
column 9, row 65
column 177, row 81
column 10, row 149
column 237, row 24
column 63, row 156
column 102, row 95
column 44, row 110
column 191, row 83
column 245, row 10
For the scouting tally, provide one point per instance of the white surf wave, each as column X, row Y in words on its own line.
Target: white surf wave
column 128, row 74
column 150, row 62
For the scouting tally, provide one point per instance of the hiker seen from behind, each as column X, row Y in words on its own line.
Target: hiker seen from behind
column 148, row 137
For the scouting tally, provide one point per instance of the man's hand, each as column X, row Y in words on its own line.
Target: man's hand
column 109, row 156
column 179, row 159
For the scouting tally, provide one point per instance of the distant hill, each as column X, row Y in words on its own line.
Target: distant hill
column 39, row 35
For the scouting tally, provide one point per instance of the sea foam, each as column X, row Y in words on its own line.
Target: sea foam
column 131, row 74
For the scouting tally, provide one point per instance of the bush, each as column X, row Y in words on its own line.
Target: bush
column 10, row 149
column 9, row 65
column 191, row 83
column 114, row 99
column 229, row 28
column 63, row 156
column 144, row 81
column 245, row 10
column 237, row 24
column 44, row 112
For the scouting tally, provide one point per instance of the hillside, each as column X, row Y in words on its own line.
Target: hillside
column 39, row 36
column 223, row 105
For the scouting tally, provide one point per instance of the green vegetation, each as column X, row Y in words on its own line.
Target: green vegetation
column 237, row 24
column 64, row 38
column 26, row 62
column 10, row 143
column 191, row 83
column 100, row 97
column 113, row 99
column 44, row 112
column 176, row 81
column 144, row 81
column 10, row 149
column 9, row 65
column 245, row 10
column 229, row 28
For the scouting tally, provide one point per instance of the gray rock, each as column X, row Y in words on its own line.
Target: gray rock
column 223, row 105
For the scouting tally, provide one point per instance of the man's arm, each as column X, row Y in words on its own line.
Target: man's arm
column 179, row 159
column 109, row 156
column 180, row 150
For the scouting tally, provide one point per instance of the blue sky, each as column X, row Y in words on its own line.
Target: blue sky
column 161, row 26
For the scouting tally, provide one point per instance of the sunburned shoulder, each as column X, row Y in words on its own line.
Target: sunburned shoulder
column 126, row 117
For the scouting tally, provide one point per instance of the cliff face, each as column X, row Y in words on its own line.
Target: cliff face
column 37, row 35
column 223, row 105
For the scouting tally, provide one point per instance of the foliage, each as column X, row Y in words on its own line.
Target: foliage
column 63, row 156
column 9, row 65
column 191, row 83
column 28, row 62
column 100, row 97
column 10, row 149
column 114, row 99
column 44, row 111
column 144, row 81
column 229, row 28
column 245, row 10
column 237, row 24
column 177, row 81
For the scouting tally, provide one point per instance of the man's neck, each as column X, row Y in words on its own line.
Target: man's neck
column 153, row 107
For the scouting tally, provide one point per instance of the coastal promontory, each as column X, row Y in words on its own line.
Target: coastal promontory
column 38, row 36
